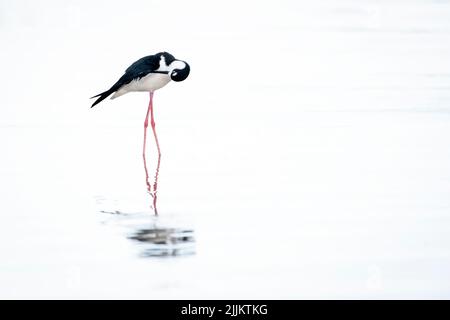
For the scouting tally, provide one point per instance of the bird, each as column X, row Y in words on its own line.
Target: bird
column 148, row 74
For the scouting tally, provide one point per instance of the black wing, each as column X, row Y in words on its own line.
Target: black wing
column 143, row 66
column 137, row 70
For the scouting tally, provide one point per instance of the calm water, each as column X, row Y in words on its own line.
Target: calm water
column 326, row 175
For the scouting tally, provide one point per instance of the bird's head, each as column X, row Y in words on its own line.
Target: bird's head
column 179, row 70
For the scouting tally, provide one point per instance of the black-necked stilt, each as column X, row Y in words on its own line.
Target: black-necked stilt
column 148, row 74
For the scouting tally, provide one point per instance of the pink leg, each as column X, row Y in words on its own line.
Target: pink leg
column 149, row 188
column 145, row 143
column 155, row 184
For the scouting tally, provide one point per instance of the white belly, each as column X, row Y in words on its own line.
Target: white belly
column 151, row 82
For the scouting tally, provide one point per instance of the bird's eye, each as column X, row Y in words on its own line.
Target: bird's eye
column 174, row 74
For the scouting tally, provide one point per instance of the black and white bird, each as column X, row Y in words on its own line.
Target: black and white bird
column 148, row 74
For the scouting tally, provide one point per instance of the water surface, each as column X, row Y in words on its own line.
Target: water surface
column 322, row 172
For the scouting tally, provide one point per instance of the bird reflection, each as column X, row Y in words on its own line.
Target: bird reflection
column 153, row 235
column 162, row 242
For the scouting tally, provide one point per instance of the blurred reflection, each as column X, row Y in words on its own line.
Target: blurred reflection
column 154, row 236
column 155, row 183
column 162, row 242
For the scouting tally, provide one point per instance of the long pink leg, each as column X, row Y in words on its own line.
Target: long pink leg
column 155, row 184
column 149, row 188
column 145, row 143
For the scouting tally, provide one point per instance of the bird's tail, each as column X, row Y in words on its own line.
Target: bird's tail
column 101, row 96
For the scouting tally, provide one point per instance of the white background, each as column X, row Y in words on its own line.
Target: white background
column 308, row 149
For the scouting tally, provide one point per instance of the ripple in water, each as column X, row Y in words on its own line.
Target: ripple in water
column 155, row 236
